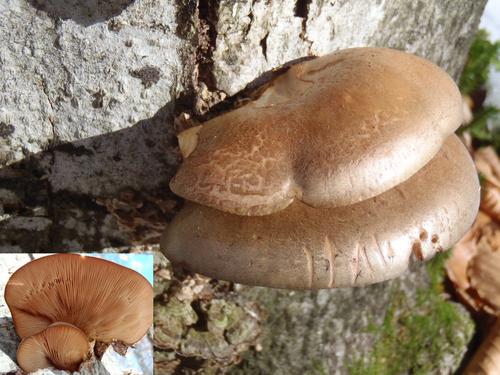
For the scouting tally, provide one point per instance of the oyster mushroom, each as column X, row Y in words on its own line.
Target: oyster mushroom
column 331, row 131
column 108, row 302
column 60, row 345
column 303, row 247
column 343, row 168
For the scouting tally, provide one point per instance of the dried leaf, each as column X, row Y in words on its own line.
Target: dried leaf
column 488, row 165
column 484, row 275
column 464, row 251
column 476, row 285
column 486, row 361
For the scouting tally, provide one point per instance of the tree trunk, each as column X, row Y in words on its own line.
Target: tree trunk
column 93, row 93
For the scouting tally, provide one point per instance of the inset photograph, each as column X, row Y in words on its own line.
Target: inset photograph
column 86, row 313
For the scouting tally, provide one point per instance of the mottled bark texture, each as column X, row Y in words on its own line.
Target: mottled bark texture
column 92, row 94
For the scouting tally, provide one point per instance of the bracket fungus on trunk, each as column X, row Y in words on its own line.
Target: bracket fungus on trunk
column 331, row 131
column 107, row 302
column 334, row 176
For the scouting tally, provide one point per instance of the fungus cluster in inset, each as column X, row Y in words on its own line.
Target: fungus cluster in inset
column 64, row 304
column 341, row 171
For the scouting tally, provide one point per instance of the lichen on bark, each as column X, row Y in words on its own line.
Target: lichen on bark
column 200, row 324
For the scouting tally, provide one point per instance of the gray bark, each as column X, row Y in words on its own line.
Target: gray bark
column 91, row 99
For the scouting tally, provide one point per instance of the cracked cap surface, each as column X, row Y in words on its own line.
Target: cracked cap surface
column 329, row 132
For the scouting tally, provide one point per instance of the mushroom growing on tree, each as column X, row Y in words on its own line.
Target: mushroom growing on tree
column 109, row 303
column 342, row 170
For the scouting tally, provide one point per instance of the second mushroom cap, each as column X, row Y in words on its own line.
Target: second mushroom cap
column 60, row 345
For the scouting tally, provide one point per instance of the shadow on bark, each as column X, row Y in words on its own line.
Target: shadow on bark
column 110, row 190
column 60, row 199
column 83, row 12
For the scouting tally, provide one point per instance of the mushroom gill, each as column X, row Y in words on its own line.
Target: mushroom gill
column 108, row 302
column 60, row 345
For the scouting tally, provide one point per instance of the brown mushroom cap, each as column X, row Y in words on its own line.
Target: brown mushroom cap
column 310, row 248
column 60, row 345
column 330, row 132
column 105, row 300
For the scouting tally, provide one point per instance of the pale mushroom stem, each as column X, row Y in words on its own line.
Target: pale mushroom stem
column 486, row 361
column 188, row 140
